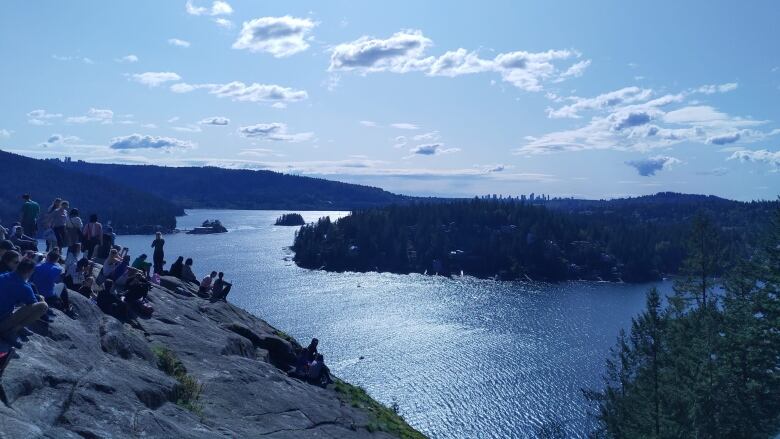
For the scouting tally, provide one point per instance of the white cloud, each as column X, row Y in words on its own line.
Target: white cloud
column 649, row 166
column 275, row 131
column 404, row 126
column 427, row 137
column 215, row 120
column 154, row 79
column 127, row 59
column 759, row 156
column 634, row 119
column 138, row 141
column 404, row 52
column 5, row 133
column 224, row 23
column 368, row 123
column 178, row 43
column 217, row 8
column 189, row 128
column 82, row 59
column 400, row 142
column 623, row 96
column 40, row 117
column 717, row 88
column 432, row 149
column 240, row 92
column 279, row 36
column 102, row 115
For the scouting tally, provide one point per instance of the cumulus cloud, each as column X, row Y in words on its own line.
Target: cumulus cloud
column 215, row 120
column 217, row 8
column 432, row 149
column 154, row 79
column 102, row 115
column 717, row 88
column 724, row 139
column 127, row 59
column 224, row 23
column 404, row 52
column 622, row 96
column 4, row 133
column 636, row 119
column 758, row 156
column 649, row 166
column 240, row 92
column 279, row 36
column 139, row 141
column 41, row 117
column 404, row 126
column 368, row 123
column 178, row 43
column 275, row 131
column 427, row 137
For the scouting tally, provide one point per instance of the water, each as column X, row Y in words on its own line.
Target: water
column 462, row 358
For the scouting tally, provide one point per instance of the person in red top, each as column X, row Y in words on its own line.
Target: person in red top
column 93, row 234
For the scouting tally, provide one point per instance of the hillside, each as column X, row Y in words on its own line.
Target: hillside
column 210, row 187
column 96, row 377
column 118, row 200
column 634, row 240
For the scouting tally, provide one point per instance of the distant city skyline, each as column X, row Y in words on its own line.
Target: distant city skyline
column 591, row 100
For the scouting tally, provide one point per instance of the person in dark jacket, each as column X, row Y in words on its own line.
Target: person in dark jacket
column 177, row 267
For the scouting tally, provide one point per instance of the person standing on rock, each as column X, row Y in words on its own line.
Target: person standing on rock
column 29, row 217
column 15, row 288
column 158, row 257
column 93, row 235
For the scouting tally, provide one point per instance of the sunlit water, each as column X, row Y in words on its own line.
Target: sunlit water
column 462, row 358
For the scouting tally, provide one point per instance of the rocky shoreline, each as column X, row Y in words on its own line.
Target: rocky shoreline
column 96, row 377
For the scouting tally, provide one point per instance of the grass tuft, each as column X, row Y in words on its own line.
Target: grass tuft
column 187, row 392
column 383, row 418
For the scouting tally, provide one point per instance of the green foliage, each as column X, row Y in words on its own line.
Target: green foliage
column 187, row 392
column 633, row 240
column 705, row 365
column 382, row 418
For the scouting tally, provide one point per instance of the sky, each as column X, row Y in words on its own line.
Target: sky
column 595, row 99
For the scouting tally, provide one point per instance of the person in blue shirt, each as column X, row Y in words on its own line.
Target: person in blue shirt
column 44, row 277
column 15, row 289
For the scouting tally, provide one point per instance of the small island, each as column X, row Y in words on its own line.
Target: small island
column 290, row 219
column 208, row 228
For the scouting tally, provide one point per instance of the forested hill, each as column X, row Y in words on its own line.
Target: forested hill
column 630, row 239
column 210, row 187
column 128, row 208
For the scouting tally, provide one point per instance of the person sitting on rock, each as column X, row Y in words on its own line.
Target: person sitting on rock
column 177, row 267
column 45, row 276
column 141, row 264
column 24, row 242
column 301, row 365
column 311, row 350
column 205, row 284
column 120, row 273
column 9, row 261
column 71, row 261
column 187, row 273
column 109, row 303
column 318, row 373
column 220, row 289
column 86, row 288
column 109, row 265
column 14, row 289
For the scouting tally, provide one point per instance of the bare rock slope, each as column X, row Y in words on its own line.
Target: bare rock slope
column 96, row 377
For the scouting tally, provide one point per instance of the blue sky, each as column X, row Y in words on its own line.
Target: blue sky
column 584, row 99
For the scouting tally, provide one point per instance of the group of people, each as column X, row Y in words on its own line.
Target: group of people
column 310, row 366
column 31, row 283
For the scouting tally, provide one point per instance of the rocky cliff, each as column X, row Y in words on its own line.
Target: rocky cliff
column 195, row 369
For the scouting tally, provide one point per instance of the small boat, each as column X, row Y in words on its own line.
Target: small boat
column 207, row 228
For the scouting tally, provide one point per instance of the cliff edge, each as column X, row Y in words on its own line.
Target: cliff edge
column 194, row 369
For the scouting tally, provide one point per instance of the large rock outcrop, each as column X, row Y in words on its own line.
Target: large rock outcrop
column 96, row 377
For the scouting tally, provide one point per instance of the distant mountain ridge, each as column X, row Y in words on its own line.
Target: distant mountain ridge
column 115, row 201
column 211, row 187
